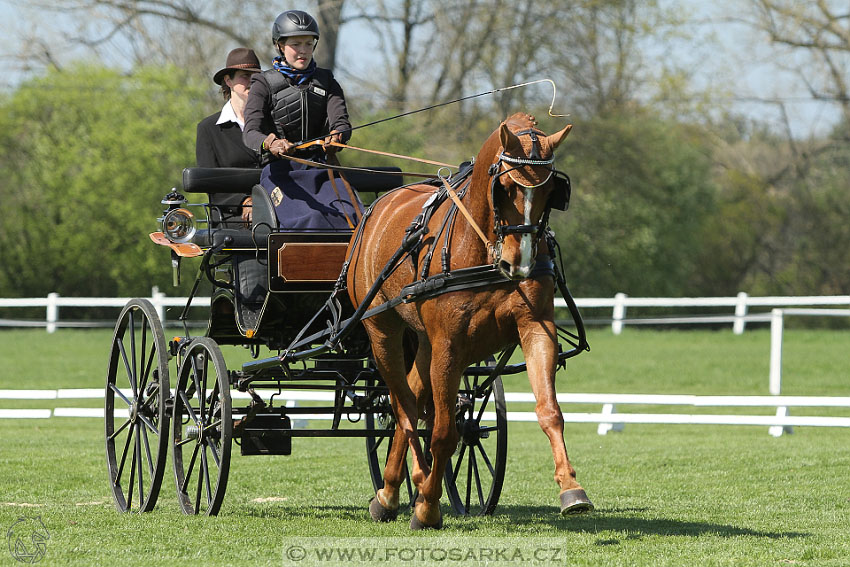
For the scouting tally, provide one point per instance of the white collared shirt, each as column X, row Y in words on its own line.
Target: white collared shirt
column 229, row 115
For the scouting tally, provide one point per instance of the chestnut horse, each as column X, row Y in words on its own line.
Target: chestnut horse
column 506, row 198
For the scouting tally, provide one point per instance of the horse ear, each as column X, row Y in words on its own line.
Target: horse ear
column 558, row 137
column 509, row 139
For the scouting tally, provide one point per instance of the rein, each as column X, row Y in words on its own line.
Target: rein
column 343, row 168
column 376, row 152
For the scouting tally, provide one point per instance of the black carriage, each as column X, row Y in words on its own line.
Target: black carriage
column 271, row 290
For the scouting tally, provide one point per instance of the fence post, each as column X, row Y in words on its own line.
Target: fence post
column 777, row 323
column 157, row 301
column 52, row 311
column 619, row 313
column 740, row 313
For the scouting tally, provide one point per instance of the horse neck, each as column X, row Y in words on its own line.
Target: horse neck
column 477, row 201
column 479, row 198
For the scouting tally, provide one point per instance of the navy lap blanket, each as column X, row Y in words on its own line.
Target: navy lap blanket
column 305, row 199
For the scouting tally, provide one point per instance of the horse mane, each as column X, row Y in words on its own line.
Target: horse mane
column 520, row 121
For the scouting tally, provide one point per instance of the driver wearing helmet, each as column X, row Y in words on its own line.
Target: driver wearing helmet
column 293, row 102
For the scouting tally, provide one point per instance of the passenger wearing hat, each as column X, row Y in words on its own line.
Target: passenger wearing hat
column 219, row 139
column 293, row 102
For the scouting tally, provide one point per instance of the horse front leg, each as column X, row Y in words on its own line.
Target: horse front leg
column 539, row 345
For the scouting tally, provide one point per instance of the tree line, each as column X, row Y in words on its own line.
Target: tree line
column 673, row 195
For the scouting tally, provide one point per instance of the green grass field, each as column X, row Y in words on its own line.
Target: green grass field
column 665, row 495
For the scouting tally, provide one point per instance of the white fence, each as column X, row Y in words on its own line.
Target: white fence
column 608, row 418
column 738, row 317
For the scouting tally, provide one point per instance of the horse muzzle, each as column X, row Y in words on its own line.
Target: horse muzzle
column 521, row 267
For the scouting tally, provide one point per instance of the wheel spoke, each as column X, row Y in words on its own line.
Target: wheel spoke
column 119, row 430
column 215, row 455
column 135, row 379
column 468, row 482
column 148, row 450
column 130, row 485
column 377, row 445
column 145, row 365
column 124, row 455
column 200, row 484
column 190, row 468
column 187, row 404
column 149, row 424
column 197, row 381
column 140, row 465
column 206, row 466
column 154, row 395
column 474, row 462
column 486, row 459
column 127, row 367
column 459, row 462
column 121, row 395
column 202, row 379
column 484, row 401
column 213, row 400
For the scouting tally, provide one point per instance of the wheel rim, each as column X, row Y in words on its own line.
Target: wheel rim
column 475, row 473
column 137, row 390
column 203, row 428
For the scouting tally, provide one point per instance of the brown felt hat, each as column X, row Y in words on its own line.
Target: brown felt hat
column 240, row 59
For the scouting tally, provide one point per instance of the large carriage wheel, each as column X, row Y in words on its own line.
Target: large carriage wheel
column 203, row 426
column 137, row 390
column 476, row 472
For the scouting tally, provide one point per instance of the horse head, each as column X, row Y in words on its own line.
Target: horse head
column 521, row 185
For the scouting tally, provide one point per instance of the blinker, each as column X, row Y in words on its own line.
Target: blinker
column 560, row 197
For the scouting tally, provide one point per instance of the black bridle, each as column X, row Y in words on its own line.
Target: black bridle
column 505, row 164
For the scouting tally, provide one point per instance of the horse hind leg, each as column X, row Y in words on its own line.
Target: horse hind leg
column 444, row 438
column 389, row 357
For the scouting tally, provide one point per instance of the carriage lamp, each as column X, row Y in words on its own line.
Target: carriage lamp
column 178, row 225
column 174, row 199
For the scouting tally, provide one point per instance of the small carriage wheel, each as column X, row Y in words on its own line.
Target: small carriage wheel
column 137, row 392
column 203, row 427
column 378, row 449
column 476, row 472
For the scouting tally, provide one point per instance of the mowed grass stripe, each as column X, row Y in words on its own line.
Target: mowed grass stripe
column 665, row 495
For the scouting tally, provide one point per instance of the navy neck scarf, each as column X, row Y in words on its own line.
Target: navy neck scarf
column 296, row 76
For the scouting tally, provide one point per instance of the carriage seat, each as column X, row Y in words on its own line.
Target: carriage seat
column 214, row 180
column 236, row 180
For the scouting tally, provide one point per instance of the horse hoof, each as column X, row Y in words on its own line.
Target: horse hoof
column 416, row 524
column 381, row 514
column 575, row 501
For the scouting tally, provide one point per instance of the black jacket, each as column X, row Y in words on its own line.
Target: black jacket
column 220, row 145
column 258, row 112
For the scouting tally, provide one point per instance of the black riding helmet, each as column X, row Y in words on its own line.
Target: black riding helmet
column 292, row 23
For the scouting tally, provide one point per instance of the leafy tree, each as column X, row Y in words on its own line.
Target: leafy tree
column 641, row 189
column 87, row 156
